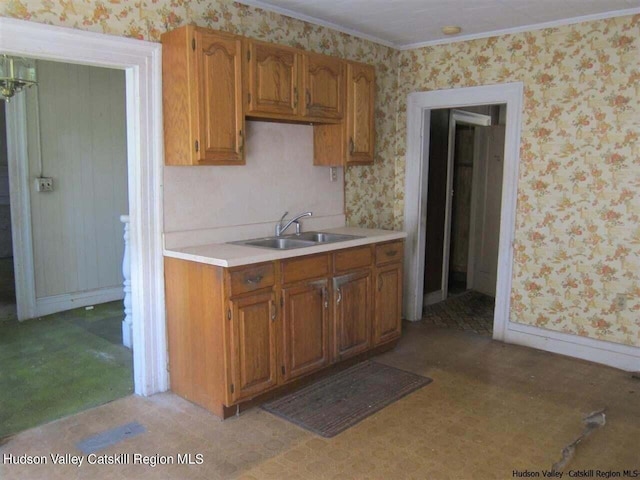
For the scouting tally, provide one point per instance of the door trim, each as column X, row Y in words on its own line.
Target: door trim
column 141, row 62
column 20, row 205
column 464, row 118
column 419, row 105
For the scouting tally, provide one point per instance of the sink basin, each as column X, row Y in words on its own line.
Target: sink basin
column 307, row 239
column 277, row 243
column 322, row 237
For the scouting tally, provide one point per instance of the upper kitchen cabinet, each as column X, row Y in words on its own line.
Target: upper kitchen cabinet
column 273, row 76
column 202, row 97
column 353, row 141
column 285, row 83
column 323, row 86
column 361, row 90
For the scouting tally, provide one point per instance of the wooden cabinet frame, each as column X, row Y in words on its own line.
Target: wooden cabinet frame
column 233, row 335
column 202, row 97
column 212, row 80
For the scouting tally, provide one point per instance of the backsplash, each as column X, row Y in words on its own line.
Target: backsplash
column 279, row 176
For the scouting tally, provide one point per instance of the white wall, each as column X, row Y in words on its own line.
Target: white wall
column 279, row 176
column 81, row 142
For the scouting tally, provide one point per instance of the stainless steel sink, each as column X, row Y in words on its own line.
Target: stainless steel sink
column 307, row 239
column 322, row 237
column 277, row 243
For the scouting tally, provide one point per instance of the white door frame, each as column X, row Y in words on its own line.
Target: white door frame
column 20, row 206
column 141, row 62
column 465, row 118
column 419, row 105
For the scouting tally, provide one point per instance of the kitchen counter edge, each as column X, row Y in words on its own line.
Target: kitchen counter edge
column 228, row 255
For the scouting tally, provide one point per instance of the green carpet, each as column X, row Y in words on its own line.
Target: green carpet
column 61, row 364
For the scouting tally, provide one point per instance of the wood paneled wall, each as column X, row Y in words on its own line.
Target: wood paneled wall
column 80, row 139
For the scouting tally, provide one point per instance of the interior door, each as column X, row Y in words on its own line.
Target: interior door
column 487, row 197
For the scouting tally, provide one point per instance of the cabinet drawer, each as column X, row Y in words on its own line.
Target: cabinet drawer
column 352, row 258
column 389, row 252
column 302, row 268
column 248, row 279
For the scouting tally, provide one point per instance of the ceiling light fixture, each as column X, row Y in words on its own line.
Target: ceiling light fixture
column 15, row 75
column 451, row 30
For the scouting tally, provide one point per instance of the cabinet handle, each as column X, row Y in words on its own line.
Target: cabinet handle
column 381, row 282
column 352, row 147
column 391, row 253
column 324, row 297
column 273, row 312
column 339, row 296
column 240, row 141
column 295, row 97
column 253, row 280
column 308, row 98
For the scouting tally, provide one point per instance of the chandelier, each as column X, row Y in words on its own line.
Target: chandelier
column 15, row 75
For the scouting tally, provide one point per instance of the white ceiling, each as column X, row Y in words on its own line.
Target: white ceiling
column 413, row 23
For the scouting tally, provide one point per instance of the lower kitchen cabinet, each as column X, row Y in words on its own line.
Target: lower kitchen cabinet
column 305, row 328
column 253, row 343
column 236, row 333
column 388, row 304
column 352, row 317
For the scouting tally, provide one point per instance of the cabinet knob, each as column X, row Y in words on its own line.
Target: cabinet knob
column 295, row 97
column 308, row 98
column 339, row 299
column 240, row 141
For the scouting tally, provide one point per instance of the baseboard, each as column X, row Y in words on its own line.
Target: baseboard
column 68, row 301
column 432, row 297
column 616, row 355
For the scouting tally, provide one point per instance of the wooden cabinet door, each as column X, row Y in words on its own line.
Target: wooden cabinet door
column 352, row 317
column 218, row 104
column 388, row 304
column 305, row 328
column 253, row 345
column 323, row 86
column 361, row 86
column 273, row 79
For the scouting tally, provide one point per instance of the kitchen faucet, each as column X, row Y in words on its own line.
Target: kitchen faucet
column 281, row 229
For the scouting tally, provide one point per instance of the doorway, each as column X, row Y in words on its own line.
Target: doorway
column 141, row 62
column 67, row 358
column 420, row 105
column 466, row 156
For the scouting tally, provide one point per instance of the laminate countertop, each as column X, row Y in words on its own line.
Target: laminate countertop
column 231, row 255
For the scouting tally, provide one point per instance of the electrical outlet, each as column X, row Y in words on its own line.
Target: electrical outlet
column 621, row 302
column 333, row 173
column 44, row 184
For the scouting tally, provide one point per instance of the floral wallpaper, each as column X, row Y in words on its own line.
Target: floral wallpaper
column 577, row 245
column 577, row 241
column 148, row 19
